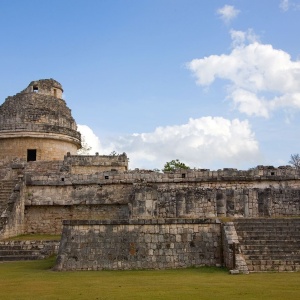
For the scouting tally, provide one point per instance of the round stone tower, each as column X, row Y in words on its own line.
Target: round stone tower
column 36, row 124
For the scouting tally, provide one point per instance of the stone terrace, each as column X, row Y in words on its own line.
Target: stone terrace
column 270, row 244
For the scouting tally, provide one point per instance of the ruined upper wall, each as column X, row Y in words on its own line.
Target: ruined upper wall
column 221, row 177
column 38, row 119
column 48, row 87
column 91, row 164
column 40, row 110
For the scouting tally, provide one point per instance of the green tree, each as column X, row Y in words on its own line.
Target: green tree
column 173, row 165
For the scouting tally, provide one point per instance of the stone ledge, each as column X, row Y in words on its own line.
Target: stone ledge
column 140, row 222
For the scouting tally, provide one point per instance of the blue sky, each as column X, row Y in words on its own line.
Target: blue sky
column 212, row 83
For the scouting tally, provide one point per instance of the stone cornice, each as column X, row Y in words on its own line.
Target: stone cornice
column 39, row 135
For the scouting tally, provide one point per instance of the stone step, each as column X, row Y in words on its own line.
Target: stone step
column 275, row 257
column 17, row 247
column 291, row 229
column 269, row 235
column 277, row 268
column 256, row 242
column 268, row 240
column 27, row 249
column 6, row 188
column 20, row 257
column 268, row 226
column 264, row 247
column 270, row 253
column 266, row 220
column 12, row 247
column 270, row 244
column 19, row 252
column 271, row 261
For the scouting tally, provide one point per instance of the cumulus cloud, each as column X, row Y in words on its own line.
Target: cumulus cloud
column 90, row 138
column 261, row 79
column 285, row 5
column 239, row 38
column 207, row 142
column 227, row 13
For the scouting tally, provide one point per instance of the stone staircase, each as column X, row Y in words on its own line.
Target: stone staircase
column 27, row 250
column 6, row 188
column 270, row 244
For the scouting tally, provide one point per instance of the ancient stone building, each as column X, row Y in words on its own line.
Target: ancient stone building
column 114, row 218
column 37, row 125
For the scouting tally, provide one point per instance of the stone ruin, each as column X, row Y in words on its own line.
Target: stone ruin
column 111, row 217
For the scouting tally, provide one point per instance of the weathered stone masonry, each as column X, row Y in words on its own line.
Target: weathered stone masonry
column 36, row 124
column 139, row 244
column 144, row 195
column 115, row 218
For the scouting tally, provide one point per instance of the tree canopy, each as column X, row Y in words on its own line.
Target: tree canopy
column 173, row 165
column 295, row 161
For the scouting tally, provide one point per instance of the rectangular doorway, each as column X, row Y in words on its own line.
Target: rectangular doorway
column 31, row 154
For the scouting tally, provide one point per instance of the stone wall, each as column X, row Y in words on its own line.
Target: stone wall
column 171, row 195
column 51, row 191
column 12, row 217
column 47, row 219
column 11, row 250
column 139, row 244
column 46, row 148
column 233, row 259
column 91, row 164
column 38, row 119
column 45, row 87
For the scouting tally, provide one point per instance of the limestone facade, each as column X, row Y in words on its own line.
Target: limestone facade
column 114, row 194
column 36, row 124
column 140, row 244
column 117, row 218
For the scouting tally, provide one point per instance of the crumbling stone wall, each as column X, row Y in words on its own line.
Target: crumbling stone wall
column 37, row 119
column 139, row 244
column 91, row 164
column 45, row 87
column 51, row 193
column 48, row 219
column 148, row 195
column 12, row 217
column 233, row 258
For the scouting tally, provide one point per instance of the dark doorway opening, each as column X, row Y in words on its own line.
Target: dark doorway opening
column 31, row 154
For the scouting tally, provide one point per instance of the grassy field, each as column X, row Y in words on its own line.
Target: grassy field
column 35, row 280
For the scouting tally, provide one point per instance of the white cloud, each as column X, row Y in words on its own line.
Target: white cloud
column 239, row 38
column 284, row 5
column 227, row 13
column 262, row 79
column 206, row 142
column 90, row 138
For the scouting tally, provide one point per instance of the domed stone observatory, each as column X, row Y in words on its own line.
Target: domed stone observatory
column 36, row 124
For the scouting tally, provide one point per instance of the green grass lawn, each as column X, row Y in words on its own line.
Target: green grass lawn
column 35, row 280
